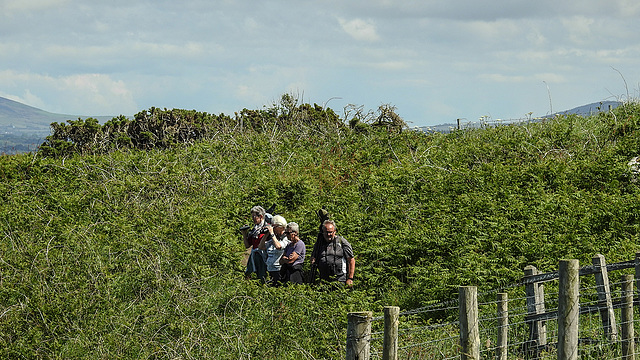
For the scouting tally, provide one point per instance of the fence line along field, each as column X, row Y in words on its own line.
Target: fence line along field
column 584, row 315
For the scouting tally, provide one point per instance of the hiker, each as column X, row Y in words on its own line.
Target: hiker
column 293, row 257
column 274, row 243
column 334, row 256
column 252, row 238
column 323, row 215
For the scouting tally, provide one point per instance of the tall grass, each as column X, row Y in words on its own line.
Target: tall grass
column 135, row 254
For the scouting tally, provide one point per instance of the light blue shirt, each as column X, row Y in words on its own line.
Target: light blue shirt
column 274, row 254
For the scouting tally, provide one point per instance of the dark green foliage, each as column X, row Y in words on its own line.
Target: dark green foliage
column 164, row 129
column 152, row 129
column 117, row 243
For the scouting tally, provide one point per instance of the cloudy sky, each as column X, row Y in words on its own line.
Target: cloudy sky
column 435, row 61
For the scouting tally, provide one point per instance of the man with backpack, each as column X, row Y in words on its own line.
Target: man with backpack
column 333, row 256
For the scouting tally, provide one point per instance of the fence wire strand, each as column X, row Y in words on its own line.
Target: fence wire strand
column 428, row 333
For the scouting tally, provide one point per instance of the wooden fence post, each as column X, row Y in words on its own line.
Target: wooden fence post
column 605, row 304
column 628, row 345
column 390, row 342
column 469, row 332
column 358, row 335
column 637, row 268
column 568, row 309
column 535, row 306
column 503, row 326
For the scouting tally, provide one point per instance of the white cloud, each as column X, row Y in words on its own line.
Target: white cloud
column 363, row 30
column 473, row 10
column 27, row 98
column 536, row 38
column 31, row 5
column 392, row 65
column 250, row 24
column 579, row 29
column 188, row 49
column 225, row 55
column 250, row 93
column 263, row 84
column 530, row 78
column 629, row 8
column 149, row 50
column 97, row 93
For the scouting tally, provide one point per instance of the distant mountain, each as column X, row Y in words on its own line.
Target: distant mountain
column 19, row 118
column 590, row 109
column 23, row 127
column 584, row 110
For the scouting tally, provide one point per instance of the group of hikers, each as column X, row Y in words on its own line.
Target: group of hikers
column 276, row 249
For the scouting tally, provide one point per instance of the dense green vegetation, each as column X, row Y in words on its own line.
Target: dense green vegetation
column 125, row 245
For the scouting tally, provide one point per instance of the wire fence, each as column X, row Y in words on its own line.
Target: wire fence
column 522, row 324
column 488, row 121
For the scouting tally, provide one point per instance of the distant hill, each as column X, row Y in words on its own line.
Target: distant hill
column 584, row 110
column 19, row 118
column 590, row 109
column 23, row 127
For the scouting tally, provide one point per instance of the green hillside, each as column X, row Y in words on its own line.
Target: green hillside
column 126, row 245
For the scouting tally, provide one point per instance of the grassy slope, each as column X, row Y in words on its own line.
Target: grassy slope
column 136, row 255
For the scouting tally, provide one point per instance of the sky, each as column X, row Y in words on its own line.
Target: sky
column 434, row 61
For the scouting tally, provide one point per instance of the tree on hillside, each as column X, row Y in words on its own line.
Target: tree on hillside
column 389, row 118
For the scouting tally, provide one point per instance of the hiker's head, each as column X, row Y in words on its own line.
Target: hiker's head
column 279, row 224
column 329, row 230
column 257, row 214
column 292, row 231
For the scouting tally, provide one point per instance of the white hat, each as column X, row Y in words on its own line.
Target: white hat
column 279, row 220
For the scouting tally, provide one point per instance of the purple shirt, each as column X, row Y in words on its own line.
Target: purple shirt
column 299, row 248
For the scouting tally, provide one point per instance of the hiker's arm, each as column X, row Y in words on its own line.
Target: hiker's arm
column 245, row 238
column 276, row 242
column 293, row 257
column 351, row 269
column 265, row 238
column 262, row 245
